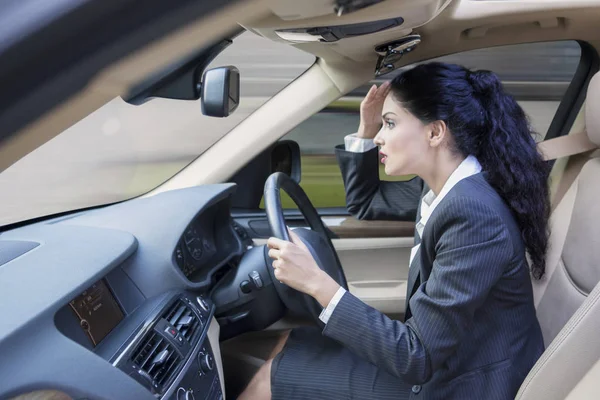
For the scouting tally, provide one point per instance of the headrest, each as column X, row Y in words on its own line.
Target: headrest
column 592, row 110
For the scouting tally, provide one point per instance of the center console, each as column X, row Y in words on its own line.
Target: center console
column 171, row 354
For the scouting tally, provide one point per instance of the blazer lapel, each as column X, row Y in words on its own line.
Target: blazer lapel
column 414, row 273
column 415, row 268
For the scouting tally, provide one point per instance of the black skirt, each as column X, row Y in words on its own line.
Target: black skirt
column 312, row 366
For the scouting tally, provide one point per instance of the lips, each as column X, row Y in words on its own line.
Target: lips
column 383, row 157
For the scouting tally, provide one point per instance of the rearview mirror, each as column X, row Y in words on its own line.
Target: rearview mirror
column 220, row 91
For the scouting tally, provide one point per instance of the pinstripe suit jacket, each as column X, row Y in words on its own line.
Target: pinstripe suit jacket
column 470, row 331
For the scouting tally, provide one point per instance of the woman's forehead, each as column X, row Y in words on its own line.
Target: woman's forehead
column 390, row 104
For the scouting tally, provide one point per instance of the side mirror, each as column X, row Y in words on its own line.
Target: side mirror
column 220, row 94
column 285, row 157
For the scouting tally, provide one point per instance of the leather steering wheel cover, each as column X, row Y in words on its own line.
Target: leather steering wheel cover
column 274, row 210
column 273, row 206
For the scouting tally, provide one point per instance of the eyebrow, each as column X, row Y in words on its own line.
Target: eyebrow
column 389, row 112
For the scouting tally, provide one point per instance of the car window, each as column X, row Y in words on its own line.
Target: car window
column 121, row 150
column 537, row 74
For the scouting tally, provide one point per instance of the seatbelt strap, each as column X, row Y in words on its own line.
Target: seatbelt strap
column 560, row 220
column 559, row 223
column 565, row 146
column 578, row 145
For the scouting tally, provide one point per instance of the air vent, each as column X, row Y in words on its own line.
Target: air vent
column 156, row 359
column 183, row 319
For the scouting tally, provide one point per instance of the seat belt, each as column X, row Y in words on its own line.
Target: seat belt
column 559, row 223
column 577, row 144
column 565, row 146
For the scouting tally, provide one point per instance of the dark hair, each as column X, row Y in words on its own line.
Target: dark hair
column 488, row 123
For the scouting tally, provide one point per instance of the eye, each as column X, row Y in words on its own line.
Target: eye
column 389, row 124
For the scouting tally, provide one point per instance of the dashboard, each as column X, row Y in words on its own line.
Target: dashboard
column 208, row 243
column 121, row 296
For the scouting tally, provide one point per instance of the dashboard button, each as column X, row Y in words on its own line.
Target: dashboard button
column 179, row 339
column 255, row 276
column 189, row 395
column 245, row 287
column 171, row 331
column 207, row 363
column 202, row 303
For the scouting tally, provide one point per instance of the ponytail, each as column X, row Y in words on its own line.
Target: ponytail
column 515, row 168
column 488, row 123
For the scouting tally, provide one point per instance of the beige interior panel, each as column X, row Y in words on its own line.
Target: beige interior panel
column 589, row 386
column 456, row 26
column 414, row 12
column 350, row 227
column 213, row 338
column 376, row 270
column 43, row 395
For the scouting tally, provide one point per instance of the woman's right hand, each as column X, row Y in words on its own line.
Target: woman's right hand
column 370, row 111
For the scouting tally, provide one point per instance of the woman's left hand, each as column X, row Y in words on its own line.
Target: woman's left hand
column 295, row 266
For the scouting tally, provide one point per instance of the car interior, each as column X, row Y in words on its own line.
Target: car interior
column 169, row 292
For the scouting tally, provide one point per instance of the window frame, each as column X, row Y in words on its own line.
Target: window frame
column 573, row 99
column 562, row 122
column 569, row 106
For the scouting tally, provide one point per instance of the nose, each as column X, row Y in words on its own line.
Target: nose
column 378, row 139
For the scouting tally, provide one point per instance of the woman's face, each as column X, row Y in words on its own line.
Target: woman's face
column 403, row 140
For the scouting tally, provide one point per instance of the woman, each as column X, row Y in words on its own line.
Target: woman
column 470, row 328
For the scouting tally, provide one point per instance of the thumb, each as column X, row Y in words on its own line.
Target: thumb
column 296, row 239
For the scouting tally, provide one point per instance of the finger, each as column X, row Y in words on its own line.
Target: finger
column 277, row 263
column 275, row 243
column 278, row 274
column 383, row 90
column 297, row 240
column 274, row 253
column 388, row 89
column 370, row 94
column 293, row 236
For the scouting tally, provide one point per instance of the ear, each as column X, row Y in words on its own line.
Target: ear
column 438, row 130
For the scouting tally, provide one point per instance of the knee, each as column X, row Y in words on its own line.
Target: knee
column 260, row 386
column 264, row 379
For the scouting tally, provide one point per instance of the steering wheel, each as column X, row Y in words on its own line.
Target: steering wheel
column 316, row 239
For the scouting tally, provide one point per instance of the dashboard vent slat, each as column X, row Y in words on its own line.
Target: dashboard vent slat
column 169, row 367
column 181, row 316
column 157, row 359
column 162, row 372
column 176, row 313
column 147, row 350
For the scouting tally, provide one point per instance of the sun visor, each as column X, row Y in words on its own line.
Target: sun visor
column 337, row 32
column 295, row 10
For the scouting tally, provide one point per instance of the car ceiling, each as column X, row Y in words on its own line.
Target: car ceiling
column 445, row 26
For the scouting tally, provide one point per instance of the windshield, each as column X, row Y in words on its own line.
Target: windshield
column 121, row 151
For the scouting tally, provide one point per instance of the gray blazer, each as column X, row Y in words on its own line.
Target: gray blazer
column 470, row 331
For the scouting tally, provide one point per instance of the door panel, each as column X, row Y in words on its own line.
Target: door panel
column 374, row 254
column 350, row 227
column 377, row 270
column 342, row 226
